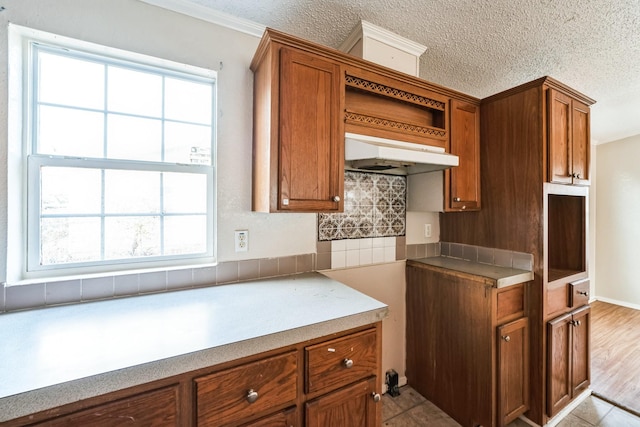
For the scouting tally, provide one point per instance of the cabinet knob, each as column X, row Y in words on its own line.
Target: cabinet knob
column 456, row 199
column 507, row 338
column 336, row 199
column 575, row 323
column 252, row 396
column 585, row 293
column 347, row 363
column 578, row 175
column 375, row 396
column 285, row 202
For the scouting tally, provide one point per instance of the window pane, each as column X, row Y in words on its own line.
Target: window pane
column 185, row 192
column 68, row 240
column 185, row 234
column 187, row 144
column 70, row 132
column 70, row 81
column 131, row 191
column 134, row 138
column 188, row 101
column 70, row 191
column 134, row 92
column 128, row 237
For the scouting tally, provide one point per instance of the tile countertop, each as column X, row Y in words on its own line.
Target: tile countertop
column 502, row 276
column 58, row 355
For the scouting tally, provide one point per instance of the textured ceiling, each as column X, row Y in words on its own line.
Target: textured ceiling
column 482, row 47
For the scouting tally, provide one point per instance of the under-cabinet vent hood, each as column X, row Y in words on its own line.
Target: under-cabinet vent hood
column 392, row 156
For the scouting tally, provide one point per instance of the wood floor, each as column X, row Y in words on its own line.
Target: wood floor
column 615, row 354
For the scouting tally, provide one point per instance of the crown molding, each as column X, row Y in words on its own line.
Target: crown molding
column 204, row 13
column 367, row 29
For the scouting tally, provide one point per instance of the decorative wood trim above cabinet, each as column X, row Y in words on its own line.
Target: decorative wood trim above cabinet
column 271, row 36
column 546, row 80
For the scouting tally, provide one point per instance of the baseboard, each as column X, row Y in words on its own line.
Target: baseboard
column 617, row 302
column 569, row 408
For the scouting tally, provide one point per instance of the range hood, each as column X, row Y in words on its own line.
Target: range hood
column 392, row 156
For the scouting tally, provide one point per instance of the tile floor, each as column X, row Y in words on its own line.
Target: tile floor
column 410, row 409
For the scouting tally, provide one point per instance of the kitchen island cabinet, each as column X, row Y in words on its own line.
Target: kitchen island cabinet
column 467, row 343
column 209, row 363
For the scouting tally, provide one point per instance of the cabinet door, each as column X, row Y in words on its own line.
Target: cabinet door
column 559, row 390
column 513, row 370
column 559, row 124
column 581, row 325
column 462, row 183
column 352, row 406
column 311, row 150
column 580, row 142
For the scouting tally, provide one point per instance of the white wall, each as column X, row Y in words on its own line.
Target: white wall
column 386, row 283
column 618, row 222
column 139, row 27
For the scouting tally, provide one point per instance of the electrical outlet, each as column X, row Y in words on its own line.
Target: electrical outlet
column 242, row 240
column 427, row 230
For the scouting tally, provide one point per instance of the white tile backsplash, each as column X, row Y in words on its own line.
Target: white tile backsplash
column 338, row 258
column 356, row 252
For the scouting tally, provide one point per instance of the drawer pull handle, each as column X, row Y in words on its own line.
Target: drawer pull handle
column 348, row 363
column 585, row 293
column 252, row 396
column 375, row 396
column 507, row 338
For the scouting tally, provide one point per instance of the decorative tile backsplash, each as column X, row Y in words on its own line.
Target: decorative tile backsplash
column 374, row 206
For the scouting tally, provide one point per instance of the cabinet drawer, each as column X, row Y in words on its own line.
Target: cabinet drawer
column 510, row 304
column 579, row 293
column 286, row 418
column 341, row 361
column 154, row 408
column 222, row 397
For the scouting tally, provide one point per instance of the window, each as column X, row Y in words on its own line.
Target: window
column 120, row 161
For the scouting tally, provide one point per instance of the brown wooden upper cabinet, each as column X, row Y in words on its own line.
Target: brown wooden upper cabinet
column 306, row 96
column 298, row 152
column 569, row 139
column 462, row 183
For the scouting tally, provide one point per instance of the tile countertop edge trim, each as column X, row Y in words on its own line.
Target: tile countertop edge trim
column 30, row 402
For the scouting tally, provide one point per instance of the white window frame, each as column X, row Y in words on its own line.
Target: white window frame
column 32, row 161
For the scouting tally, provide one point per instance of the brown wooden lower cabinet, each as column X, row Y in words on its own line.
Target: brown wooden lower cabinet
column 286, row 418
column 467, row 345
column 354, row 405
column 568, row 370
column 153, row 408
column 253, row 389
column 513, row 366
column 341, row 373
